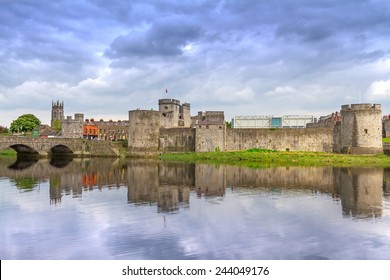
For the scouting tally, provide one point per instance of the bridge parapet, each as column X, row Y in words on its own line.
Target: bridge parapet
column 47, row 146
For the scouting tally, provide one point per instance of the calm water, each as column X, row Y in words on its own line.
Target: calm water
column 138, row 209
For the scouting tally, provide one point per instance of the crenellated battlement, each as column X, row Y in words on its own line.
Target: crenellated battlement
column 363, row 106
column 168, row 101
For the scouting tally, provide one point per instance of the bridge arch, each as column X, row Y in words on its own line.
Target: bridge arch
column 60, row 150
column 24, row 149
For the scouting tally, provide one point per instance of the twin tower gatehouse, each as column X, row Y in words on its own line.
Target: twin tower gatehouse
column 172, row 129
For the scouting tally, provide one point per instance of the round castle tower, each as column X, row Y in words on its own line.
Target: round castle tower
column 361, row 129
column 144, row 131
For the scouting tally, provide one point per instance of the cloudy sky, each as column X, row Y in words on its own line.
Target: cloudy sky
column 250, row 57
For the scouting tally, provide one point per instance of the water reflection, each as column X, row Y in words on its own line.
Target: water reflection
column 168, row 185
column 21, row 164
column 360, row 190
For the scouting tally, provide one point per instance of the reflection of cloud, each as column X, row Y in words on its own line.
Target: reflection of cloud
column 243, row 225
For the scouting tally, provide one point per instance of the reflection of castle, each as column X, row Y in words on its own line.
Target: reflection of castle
column 169, row 185
column 361, row 191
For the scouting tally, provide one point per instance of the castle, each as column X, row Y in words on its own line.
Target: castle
column 171, row 129
column 356, row 130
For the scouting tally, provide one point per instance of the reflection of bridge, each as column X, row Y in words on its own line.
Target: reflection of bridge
column 49, row 146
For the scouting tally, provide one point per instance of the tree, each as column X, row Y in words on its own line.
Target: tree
column 24, row 123
column 57, row 125
column 228, row 124
column 3, row 129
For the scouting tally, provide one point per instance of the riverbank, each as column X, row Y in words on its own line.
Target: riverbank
column 10, row 153
column 265, row 158
column 258, row 158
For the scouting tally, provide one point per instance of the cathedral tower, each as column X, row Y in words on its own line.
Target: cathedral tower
column 57, row 111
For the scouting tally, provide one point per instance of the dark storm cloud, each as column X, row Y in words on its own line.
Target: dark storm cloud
column 165, row 37
column 223, row 52
column 47, row 40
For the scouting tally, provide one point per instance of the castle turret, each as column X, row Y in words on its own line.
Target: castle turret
column 361, row 129
column 185, row 115
column 73, row 128
column 170, row 111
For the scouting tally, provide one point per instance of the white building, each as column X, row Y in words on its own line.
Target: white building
column 288, row 121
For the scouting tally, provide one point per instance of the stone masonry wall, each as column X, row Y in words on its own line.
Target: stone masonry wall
column 177, row 140
column 72, row 128
column 293, row 139
column 361, row 129
column 144, row 131
column 210, row 138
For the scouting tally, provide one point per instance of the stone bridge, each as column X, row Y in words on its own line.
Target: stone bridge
column 44, row 147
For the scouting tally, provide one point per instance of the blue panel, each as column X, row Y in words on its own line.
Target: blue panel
column 276, row 122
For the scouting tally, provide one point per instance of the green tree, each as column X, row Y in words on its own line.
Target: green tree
column 228, row 124
column 57, row 125
column 24, row 123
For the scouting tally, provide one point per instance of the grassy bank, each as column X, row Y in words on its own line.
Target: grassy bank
column 8, row 153
column 265, row 158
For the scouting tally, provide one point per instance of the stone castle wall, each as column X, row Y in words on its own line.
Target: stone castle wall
column 358, row 132
column 210, row 138
column 73, row 128
column 286, row 139
column 176, row 140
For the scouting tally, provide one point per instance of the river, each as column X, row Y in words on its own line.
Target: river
column 112, row 209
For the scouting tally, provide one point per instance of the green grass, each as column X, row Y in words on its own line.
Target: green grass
column 8, row 153
column 386, row 140
column 258, row 158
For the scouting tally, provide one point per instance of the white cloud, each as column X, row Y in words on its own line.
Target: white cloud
column 282, row 90
column 379, row 90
